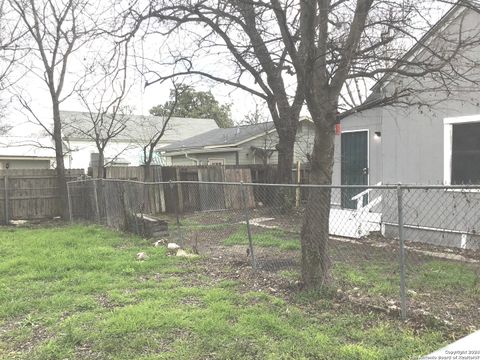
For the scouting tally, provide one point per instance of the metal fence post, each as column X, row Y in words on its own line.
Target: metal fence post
column 95, row 198
column 69, row 198
column 7, row 215
column 247, row 221
column 177, row 216
column 402, row 253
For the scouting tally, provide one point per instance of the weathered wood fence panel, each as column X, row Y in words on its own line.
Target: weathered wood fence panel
column 190, row 197
column 233, row 194
column 31, row 193
column 212, row 196
column 154, row 195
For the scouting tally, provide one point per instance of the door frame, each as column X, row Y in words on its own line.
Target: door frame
column 368, row 153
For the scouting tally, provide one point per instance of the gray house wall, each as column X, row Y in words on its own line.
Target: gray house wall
column 413, row 142
column 412, row 137
column 411, row 151
column 24, row 164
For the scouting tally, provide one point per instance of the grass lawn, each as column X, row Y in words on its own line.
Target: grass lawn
column 267, row 238
column 374, row 270
column 79, row 293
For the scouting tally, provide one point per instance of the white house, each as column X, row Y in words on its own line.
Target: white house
column 26, row 153
column 126, row 148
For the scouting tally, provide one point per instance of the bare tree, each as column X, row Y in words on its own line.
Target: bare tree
column 328, row 52
column 349, row 42
column 55, row 31
column 258, row 56
column 153, row 130
column 107, row 116
column 10, row 54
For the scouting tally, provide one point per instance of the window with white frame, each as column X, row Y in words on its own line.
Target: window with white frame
column 216, row 161
column 462, row 150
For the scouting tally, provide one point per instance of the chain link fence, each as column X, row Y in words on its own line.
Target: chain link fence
column 395, row 248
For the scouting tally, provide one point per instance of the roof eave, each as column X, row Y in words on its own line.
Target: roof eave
column 386, row 78
column 200, row 151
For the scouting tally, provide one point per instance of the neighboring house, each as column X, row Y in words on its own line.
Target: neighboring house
column 436, row 144
column 26, row 153
column 124, row 149
column 240, row 145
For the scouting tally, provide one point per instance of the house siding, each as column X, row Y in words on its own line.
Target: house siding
column 412, row 152
column 181, row 160
column 25, row 164
column 411, row 149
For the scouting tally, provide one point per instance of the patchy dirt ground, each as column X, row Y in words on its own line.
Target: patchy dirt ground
column 365, row 271
column 458, row 319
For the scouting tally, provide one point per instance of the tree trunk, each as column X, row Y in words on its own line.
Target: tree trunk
column 101, row 165
column 285, row 147
column 147, row 172
column 315, row 230
column 283, row 195
column 61, row 178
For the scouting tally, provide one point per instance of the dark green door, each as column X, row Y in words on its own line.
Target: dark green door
column 354, row 169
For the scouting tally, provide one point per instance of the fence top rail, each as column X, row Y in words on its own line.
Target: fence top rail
column 121, row 180
column 459, row 188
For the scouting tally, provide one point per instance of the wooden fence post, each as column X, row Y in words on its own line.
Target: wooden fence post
column 104, row 185
column 7, row 215
column 298, row 195
column 69, row 197
column 95, row 197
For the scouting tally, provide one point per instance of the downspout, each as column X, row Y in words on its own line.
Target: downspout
column 193, row 159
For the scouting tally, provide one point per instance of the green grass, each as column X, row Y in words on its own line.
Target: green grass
column 78, row 293
column 266, row 238
column 438, row 275
column 381, row 277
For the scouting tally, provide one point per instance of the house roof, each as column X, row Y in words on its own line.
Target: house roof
column 456, row 9
column 222, row 137
column 13, row 147
column 138, row 127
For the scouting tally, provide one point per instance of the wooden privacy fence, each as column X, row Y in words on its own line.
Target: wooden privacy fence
column 189, row 197
column 31, row 193
column 196, row 197
column 201, row 196
column 154, row 195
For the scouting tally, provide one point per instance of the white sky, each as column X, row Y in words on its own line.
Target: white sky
column 140, row 99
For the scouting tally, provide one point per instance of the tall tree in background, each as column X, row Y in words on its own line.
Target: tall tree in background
column 55, row 29
column 243, row 47
column 328, row 54
column 194, row 104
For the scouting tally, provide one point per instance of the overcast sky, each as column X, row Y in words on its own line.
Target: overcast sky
column 141, row 99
